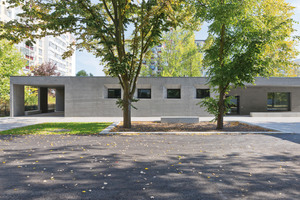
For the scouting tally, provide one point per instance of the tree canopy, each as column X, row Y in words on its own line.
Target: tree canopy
column 101, row 28
column 248, row 39
column 11, row 63
column 83, row 73
column 45, row 69
column 178, row 55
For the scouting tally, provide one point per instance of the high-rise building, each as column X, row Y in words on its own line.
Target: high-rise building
column 48, row 49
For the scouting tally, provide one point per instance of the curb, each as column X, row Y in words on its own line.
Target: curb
column 107, row 129
column 191, row 133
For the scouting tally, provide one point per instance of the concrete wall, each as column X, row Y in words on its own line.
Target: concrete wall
column 17, row 100
column 254, row 98
column 43, row 99
column 87, row 96
column 60, row 99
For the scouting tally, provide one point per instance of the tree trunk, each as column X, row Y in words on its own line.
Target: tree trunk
column 221, row 108
column 127, row 114
column 126, row 107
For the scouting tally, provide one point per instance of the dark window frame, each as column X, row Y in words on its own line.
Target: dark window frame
column 169, row 97
column 140, row 97
column 273, row 106
column 234, row 110
column 114, row 97
column 202, row 89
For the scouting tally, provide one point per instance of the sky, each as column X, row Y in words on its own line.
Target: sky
column 88, row 62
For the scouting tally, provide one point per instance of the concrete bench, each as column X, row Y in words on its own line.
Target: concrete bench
column 32, row 112
column 179, row 119
column 275, row 114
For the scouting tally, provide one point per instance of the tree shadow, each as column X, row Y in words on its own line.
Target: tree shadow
column 295, row 138
column 142, row 167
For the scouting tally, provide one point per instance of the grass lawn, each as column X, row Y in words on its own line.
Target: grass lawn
column 71, row 128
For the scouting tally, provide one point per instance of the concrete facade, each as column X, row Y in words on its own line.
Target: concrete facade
column 88, row 96
column 60, row 99
column 43, row 99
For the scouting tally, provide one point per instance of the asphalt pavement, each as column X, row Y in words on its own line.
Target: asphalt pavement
column 132, row 167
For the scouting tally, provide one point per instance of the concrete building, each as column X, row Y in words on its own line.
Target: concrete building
column 96, row 96
column 48, row 49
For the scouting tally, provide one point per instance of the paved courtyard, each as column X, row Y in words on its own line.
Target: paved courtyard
column 150, row 167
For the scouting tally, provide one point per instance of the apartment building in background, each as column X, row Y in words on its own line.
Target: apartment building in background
column 48, row 49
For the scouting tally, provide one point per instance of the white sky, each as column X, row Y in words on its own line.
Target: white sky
column 89, row 63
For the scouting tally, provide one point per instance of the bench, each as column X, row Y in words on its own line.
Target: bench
column 179, row 119
column 275, row 114
column 32, row 112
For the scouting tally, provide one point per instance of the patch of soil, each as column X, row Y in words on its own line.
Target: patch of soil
column 184, row 127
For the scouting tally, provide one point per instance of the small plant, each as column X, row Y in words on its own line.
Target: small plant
column 211, row 106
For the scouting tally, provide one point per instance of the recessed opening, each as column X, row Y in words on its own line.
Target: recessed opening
column 173, row 93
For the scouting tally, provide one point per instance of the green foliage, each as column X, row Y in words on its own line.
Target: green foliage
column 211, row 106
column 179, row 55
column 247, row 39
column 31, row 96
column 120, row 103
column 11, row 62
column 51, row 98
column 83, row 73
column 70, row 128
column 100, row 28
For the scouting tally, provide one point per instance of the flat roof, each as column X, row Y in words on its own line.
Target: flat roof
column 61, row 81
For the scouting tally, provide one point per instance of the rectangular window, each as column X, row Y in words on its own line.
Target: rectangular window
column 202, row 93
column 173, row 93
column 234, row 105
column 144, row 93
column 114, row 93
column 279, row 101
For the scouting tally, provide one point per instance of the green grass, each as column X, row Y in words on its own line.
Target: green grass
column 73, row 128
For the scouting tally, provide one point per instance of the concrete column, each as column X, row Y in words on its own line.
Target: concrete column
column 17, row 100
column 43, row 99
column 60, row 99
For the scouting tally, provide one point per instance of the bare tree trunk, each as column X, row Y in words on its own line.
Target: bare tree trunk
column 126, row 107
column 127, row 114
column 221, row 108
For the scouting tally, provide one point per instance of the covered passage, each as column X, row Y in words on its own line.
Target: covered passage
column 43, row 90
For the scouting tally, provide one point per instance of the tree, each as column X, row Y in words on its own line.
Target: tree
column 100, row 28
column 291, row 71
column 180, row 55
column 248, row 39
column 83, row 73
column 45, row 69
column 11, row 63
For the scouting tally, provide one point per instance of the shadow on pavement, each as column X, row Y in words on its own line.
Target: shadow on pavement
column 146, row 167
